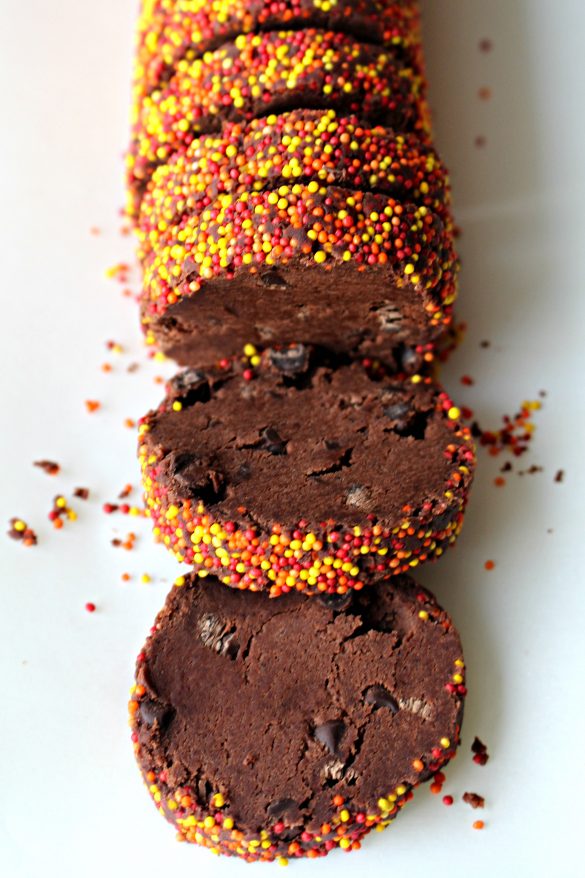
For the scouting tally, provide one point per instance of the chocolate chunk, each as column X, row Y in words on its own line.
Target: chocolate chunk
column 410, row 361
column 189, row 386
column 154, row 712
column 378, row 696
column 273, row 442
column 398, row 411
column 330, row 734
column 290, row 360
column 337, row 603
column 82, row 493
column 194, row 479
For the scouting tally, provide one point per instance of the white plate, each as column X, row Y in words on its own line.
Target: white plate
column 71, row 801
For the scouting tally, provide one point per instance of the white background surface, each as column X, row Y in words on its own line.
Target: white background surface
column 71, row 802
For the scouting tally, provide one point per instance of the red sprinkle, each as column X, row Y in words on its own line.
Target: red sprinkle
column 91, row 608
column 447, row 800
column 489, row 565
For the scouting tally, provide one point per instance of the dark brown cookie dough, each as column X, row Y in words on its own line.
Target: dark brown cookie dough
column 269, row 729
column 303, row 473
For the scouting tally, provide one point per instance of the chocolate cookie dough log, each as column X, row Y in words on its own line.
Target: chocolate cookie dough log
column 347, row 270
column 326, row 721
column 304, row 475
column 259, row 74
column 298, row 146
column 172, row 30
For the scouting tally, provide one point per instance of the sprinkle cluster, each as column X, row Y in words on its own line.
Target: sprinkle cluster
column 169, row 29
column 291, row 556
column 299, row 146
column 309, row 226
column 262, row 73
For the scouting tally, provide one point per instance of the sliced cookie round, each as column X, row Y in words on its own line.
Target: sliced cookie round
column 304, row 475
column 350, row 271
column 268, row 729
column 172, row 30
column 300, row 146
column 259, row 74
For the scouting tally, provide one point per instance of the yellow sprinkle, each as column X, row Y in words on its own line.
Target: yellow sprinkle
column 177, row 406
column 453, row 413
column 445, row 743
column 423, row 615
column 320, row 256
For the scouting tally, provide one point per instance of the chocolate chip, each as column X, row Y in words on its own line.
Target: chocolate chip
column 290, row 360
column 410, row 361
column 398, row 411
column 378, row 696
column 272, row 280
column 330, row 734
column 194, row 479
column 337, row 603
column 406, row 421
column 273, row 442
column 287, row 808
column 154, row 712
column 390, row 318
column 244, row 472
column 359, row 496
column 190, row 386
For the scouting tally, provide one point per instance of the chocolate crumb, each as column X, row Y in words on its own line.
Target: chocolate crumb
column 479, row 749
column 48, row 466
column 560, row 475
column 485, row 344
column 82, row 493
column 473, row 799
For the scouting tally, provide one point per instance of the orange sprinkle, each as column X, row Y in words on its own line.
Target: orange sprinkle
column 479, row 824
column 92, row 405
column 418, row 765
column 499, row 481
column 126, row 577
column 489, row 565
column 106, row 367
column 436, row 788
